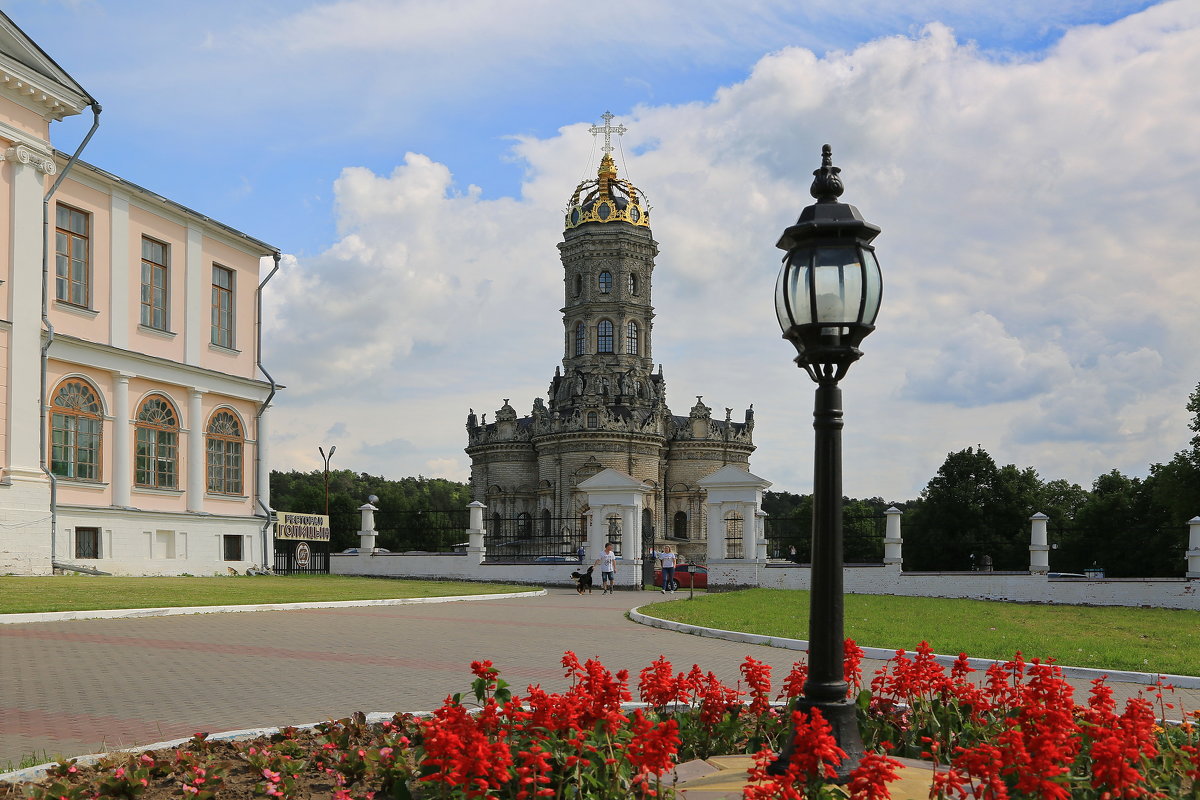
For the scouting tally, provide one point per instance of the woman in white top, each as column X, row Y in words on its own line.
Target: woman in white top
column 608, row 568
column 668, row 568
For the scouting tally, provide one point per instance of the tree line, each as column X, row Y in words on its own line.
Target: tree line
column 402, row 503
column 974, row 509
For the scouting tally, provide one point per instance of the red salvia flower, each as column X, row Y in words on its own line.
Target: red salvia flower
column 657, row 684
column 793, row 684
column 869, row 780
column 852, row 657
column 654, row 745
column 758, row 679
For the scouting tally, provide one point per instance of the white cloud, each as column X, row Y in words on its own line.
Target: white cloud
column 1039, row 225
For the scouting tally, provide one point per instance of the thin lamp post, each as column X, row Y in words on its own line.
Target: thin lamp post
column 827, row 298
column 321, row 450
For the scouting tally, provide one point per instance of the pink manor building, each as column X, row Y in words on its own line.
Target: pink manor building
column 132, row 414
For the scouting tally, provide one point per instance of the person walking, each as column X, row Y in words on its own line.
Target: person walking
column 668, row 560
column 608, row 568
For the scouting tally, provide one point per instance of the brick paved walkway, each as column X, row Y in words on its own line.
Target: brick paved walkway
column 69, row 688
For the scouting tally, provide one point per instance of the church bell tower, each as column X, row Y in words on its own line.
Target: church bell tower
column 607, row 255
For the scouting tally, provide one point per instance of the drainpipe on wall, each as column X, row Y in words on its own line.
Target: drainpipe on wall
column 262, row 409
column 43, row 400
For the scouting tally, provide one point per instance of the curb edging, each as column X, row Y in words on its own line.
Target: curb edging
column 1080, row 673
column 171, row 611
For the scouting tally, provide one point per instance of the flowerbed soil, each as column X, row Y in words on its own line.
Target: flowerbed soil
column 240, row 780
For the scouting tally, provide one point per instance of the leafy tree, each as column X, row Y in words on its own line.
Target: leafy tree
column 970, row 509
column 1122, row 529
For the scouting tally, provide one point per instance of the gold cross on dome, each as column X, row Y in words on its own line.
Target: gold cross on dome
column 608, row 130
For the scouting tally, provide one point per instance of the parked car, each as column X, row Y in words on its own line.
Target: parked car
column 698, row 578
column 555, row 560
column 354, row 550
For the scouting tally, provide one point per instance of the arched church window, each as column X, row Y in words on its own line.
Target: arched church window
column 605, row 282
column 75, row 425
column 593, row 419
column 156, row 436
column 580, row 339
column 578, row 284
column 632, row 345
column 679, row 525
column 495, row 531
column 524, row 524
column 547, row 523
column 604, row 337
column 632, row 284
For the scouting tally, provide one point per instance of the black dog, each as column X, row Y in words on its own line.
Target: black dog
column 583, row 580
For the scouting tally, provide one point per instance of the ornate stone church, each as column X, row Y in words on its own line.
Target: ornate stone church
column 607, row 405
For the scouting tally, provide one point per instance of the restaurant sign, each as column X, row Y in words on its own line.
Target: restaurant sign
column 302, row 527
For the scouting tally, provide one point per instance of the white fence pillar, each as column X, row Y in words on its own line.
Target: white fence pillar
column 476, row 533
column 366, row 535
column 1193, row 552
column 1039, row 549
column 892, row 551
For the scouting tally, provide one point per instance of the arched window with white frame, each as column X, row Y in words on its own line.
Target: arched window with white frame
column 225, row 444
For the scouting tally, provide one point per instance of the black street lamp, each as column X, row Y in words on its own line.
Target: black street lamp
column 321, row 450
column 827, row 298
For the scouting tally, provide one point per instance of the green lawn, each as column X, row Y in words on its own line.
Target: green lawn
column 1140, row 639
column 79, row 592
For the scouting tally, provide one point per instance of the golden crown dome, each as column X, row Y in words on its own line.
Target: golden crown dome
column 607, row 198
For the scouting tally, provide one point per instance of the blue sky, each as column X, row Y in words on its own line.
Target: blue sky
column 1033, row 168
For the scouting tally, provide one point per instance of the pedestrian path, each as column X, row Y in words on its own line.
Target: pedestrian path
column 94, row 685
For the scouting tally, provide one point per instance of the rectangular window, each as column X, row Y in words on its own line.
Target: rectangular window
column 222, row 306
column 154, row 284
column 87, row 542
column 224, row 466
column 75, row 446
column 232, row 547
column 71, row 256
column 157, row 451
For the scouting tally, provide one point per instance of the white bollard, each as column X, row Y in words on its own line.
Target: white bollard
column 1039, row 550
column 892, row 542
column 476, row 531
column 366, row 536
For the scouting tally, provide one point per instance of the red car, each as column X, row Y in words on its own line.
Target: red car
column 698, row 577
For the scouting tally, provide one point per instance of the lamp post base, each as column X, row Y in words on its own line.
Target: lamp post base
column 842, row 716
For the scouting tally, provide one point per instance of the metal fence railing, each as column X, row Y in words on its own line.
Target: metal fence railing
column 734, row 543
column 523, row 539
column 425, row 531
column 790, row 539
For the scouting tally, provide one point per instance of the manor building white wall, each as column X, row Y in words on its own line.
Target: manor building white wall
column 154, row 422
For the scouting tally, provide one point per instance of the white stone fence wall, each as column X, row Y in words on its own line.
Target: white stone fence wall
column 1036, row 585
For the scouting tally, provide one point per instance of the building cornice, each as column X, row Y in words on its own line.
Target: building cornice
column 35, row 91
column 115, row 359
column 145, row 514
